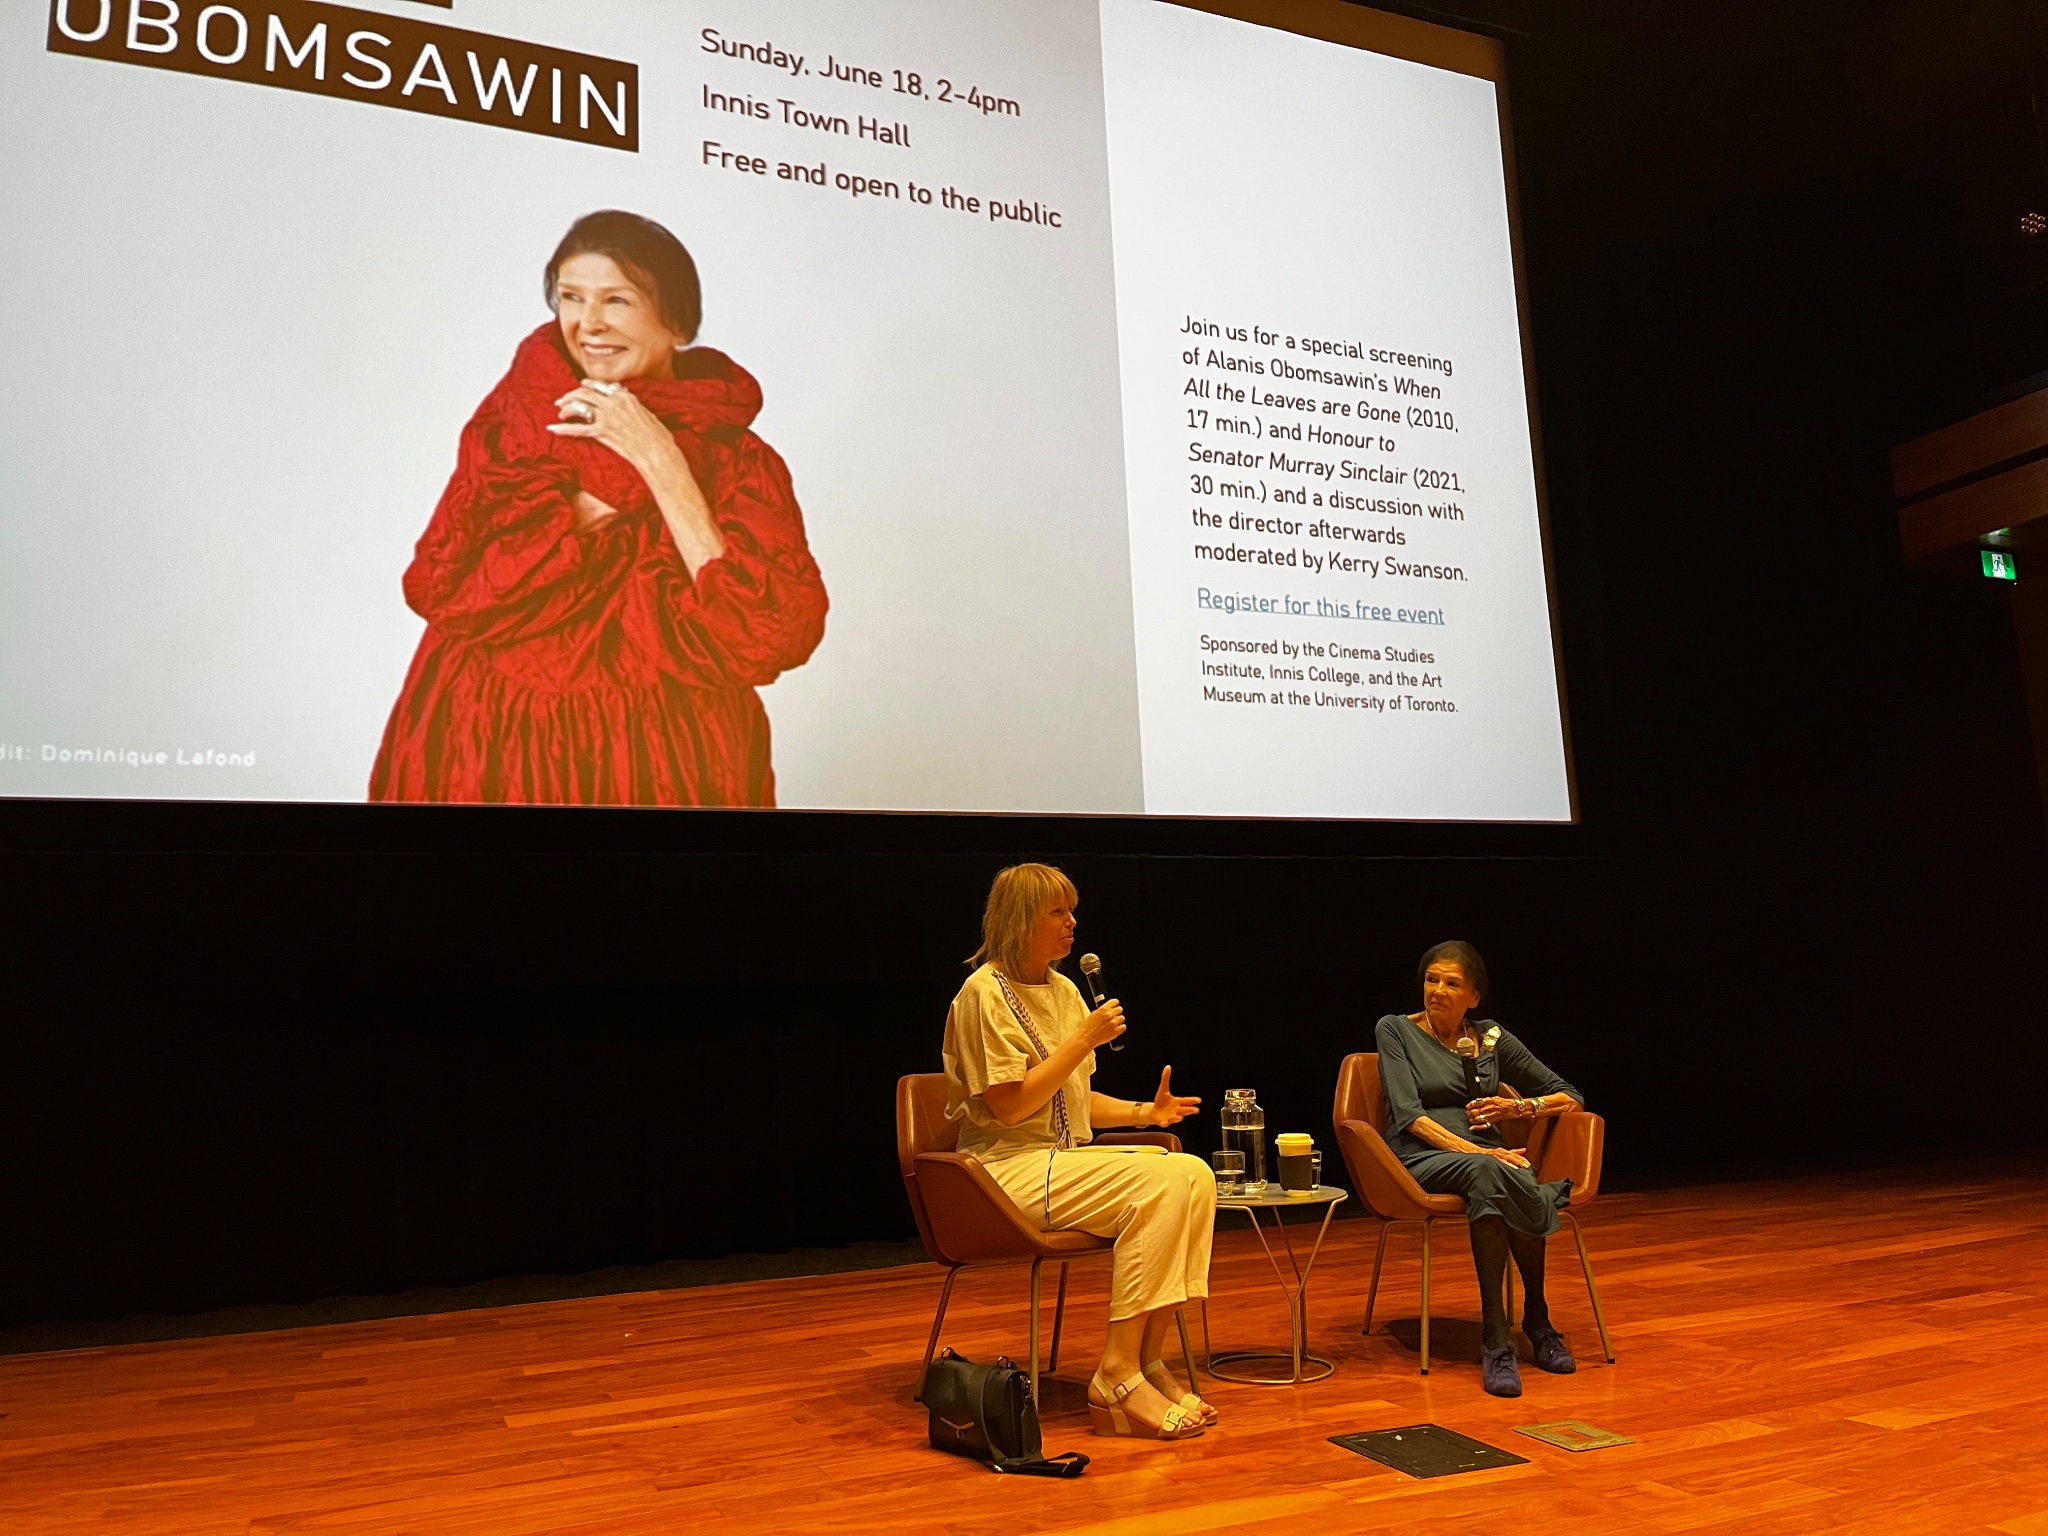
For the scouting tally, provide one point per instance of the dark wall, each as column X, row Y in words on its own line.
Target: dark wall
column 266, row 1053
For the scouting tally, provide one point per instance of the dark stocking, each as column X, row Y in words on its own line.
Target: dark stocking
column 1490, row 1258
column 1528, row 1250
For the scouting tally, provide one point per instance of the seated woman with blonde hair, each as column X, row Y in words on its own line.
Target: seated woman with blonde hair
column 1020, row 1050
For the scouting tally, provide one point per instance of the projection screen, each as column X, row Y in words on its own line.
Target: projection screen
column 1060, row 406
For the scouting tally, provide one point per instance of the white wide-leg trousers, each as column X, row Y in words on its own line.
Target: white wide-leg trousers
column 1160, row 1210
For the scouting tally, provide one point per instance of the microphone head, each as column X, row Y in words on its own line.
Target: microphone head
column 1467, row 1048
column 1091, row 965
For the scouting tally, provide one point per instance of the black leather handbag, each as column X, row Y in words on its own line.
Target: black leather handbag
column 985, row 1411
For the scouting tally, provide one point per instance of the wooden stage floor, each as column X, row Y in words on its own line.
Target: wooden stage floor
column 1853, row 1354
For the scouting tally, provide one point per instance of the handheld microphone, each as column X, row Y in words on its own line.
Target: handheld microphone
column 1468, row 1055
column 1091, row 977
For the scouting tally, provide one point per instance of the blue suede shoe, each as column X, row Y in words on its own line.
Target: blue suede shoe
column 1503, row 1376
column 1548, row 1352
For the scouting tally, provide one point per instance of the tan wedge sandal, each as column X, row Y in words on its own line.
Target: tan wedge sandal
column 1110, row 1419
column 1164, row 1384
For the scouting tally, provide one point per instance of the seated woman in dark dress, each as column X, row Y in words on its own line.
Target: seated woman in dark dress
column 1445, row 1136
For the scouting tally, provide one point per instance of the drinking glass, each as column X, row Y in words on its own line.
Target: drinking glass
column 1229, row 1172
column 1315, row 1170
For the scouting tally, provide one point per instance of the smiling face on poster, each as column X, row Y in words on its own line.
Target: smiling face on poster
column 1071, row 406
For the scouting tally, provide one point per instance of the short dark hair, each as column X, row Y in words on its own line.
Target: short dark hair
column 1459, row 953
column 645, row 252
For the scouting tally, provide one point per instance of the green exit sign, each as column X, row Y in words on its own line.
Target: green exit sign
column 1999, row 565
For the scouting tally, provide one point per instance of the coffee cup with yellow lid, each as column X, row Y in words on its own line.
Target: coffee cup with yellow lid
column 1297, row 1163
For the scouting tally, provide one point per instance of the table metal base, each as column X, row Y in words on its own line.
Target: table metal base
column 1301, row 1366
column 1224, row 1367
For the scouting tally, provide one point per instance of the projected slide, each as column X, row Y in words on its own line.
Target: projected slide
column 1056, row 406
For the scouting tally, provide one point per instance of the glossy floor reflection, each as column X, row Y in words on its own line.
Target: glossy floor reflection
column 1849, row 1354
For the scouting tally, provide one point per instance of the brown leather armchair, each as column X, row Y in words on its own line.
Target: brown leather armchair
column 964, row 1217
column 1557, row 1146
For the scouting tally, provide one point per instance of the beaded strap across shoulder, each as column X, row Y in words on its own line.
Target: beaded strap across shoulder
column 1060, row 1125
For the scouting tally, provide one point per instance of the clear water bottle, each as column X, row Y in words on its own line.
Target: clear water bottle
column 1244, row 1130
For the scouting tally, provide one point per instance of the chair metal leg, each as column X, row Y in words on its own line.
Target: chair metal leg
column 931, row 1344
column 1379, row 1257
column 1187, row 1350
column 1059, row 1318
column 1592, row 1290
column 1036, row 1266
column 1426, row 1225
column 1208, row 1344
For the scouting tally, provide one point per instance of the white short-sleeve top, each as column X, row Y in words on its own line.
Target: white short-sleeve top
column 985, row 1044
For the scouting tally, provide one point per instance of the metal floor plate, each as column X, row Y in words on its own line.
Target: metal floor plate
column 1427, row 1450
column 1573, row 1435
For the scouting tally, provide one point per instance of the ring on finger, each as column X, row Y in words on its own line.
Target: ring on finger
column 580, row 411
column 604, row 388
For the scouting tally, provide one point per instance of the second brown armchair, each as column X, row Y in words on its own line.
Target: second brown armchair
column 1558, row 1147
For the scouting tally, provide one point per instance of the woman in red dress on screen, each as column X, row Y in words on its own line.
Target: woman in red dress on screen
column 617, row 564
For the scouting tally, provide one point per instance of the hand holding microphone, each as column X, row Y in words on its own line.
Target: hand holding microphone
column 1105, row 1026
column 1484, row 1114
column 1479, row 1113
column 1107, row 1009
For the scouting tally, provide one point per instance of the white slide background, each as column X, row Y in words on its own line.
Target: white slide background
column 1263, row 179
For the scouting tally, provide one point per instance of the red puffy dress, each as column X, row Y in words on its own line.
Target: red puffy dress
column 587, row 668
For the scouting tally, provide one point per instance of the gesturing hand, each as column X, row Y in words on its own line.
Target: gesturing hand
column 1168, row 1107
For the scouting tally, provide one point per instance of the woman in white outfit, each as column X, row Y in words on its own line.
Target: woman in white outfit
column 1020, row 1050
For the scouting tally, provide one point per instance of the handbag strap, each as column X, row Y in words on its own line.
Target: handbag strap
column 1066, row 1464
column 1062, row 1129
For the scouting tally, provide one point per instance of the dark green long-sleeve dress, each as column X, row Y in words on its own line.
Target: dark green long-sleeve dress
column 1423, row 1076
